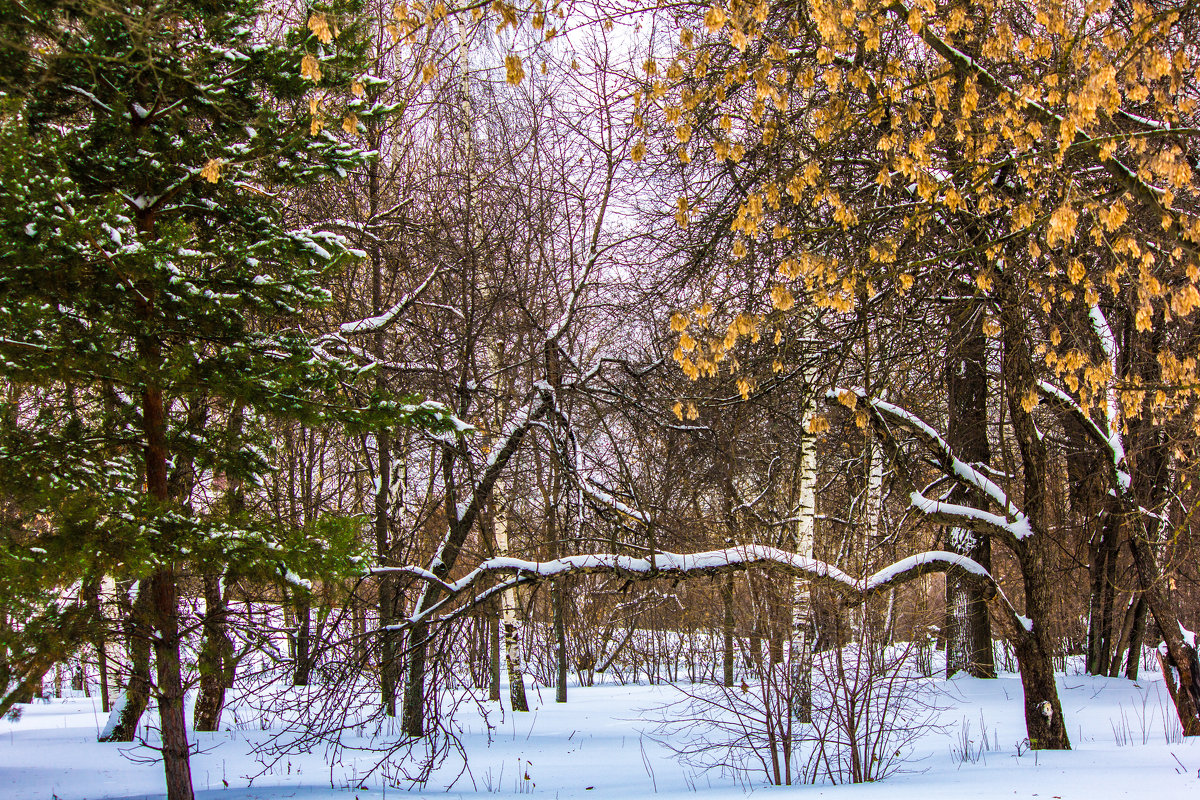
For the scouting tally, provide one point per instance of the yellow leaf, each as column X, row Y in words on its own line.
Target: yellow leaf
column 638, row 152
column 816, row 424
column 781, row 297
column 679, row 322
column 678, row 410
column 310, row 68
column 714, row 20
column 358, row 89
column 514, row 71
column 318, row 23
column 692, row 411
column 211, row 171
column 350, row 123
column 847, row 398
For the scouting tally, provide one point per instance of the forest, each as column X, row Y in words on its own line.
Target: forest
column 363, row 362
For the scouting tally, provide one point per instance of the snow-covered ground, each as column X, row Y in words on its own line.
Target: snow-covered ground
column 596, row 746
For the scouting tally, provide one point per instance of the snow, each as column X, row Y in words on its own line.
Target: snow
column 597, row 746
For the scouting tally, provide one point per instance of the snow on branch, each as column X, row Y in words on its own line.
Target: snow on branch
column 476, row 587
column 381, row 322
column 1013, row 525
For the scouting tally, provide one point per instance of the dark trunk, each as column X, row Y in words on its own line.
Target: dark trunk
column 164, row 593
column 215, row 663
column 968, row 630
column 1044, row 721
column 136, row 695
column 1134, row 645
column 493, row 627
column 727, row 629
column 301, row 653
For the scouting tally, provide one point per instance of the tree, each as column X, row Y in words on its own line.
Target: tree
column 156, row 273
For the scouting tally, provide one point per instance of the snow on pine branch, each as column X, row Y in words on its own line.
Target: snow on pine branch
column 474, row 588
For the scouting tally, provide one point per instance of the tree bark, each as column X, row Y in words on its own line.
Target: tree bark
column 302, row 653
column 127, row 711
column 215, row 663
column 968, row 631
column 512, row 623
column 803, row 543
column 1044, row 721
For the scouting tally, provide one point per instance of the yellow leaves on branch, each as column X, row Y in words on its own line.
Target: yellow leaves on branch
column 514, row 72
column 715, row 19
column 1061, row 229
column 310, row 68
column 314, row 110
column 211, row 171
column 680, row 411
column 782, row 298
column 318, row 23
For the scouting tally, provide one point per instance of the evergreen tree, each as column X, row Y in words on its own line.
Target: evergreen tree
column 149, row 274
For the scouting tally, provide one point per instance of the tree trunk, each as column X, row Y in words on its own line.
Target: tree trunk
column 968, row 630
column 512, row 623
column 125, row 714
column 302, row 655
column 170, row 685
column 216, row 656
column 803, row 543
column 1134, row 646
column 727, row 625
column 1103, row 647
column 493, row 617
column 1044, row 721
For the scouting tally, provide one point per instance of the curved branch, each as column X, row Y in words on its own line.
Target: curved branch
column 474, row 587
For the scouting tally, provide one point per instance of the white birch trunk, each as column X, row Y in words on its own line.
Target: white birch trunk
column 805, row 535
column 510, row 621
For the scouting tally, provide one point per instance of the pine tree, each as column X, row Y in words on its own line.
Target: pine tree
column 149, row 274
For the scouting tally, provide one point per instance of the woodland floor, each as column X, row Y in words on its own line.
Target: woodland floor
column 596, row 746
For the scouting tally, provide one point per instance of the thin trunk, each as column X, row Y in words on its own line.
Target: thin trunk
column 727, row 625
column 302, row 656
column 493, row 623
column 801, row 651
column 557, row 600
column 512, row 623
column 125, row 714
column 215, row 663
column 1136, row 632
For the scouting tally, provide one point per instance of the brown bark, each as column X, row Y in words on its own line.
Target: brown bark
column 215, row 663
column 1044, row 721
column 968, row 629
column 164, row 593
column 136, row 695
